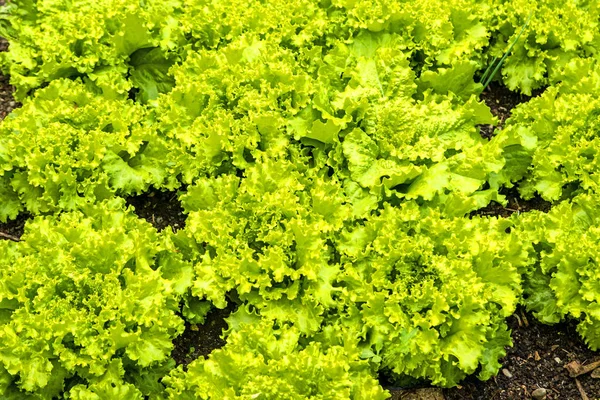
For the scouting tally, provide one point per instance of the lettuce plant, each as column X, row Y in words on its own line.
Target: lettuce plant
column 557, row 130
column 67, row 147
column 89, row 302
column 328, row 158
column 562, row 279
column 98, row 40
column 260, row 361
column 298, row 248
column 557, row 32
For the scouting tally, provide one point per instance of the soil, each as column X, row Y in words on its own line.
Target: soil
column 536, row 361
column 501, row 101
column 515, row 205
column 13, row 230
column 160, row 208
column 200, row 340
column 7, row 102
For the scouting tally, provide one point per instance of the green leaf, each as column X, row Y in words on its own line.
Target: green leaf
column 457, row 80
column 150, row 72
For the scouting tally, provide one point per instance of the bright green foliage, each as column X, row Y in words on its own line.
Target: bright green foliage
column 230, row 105
column 561, row 128
column 53, row 39
column 557, row 32
column 390, row 138
column 222, row 117
column 101, row 40
column 261, row 362
column 423, row 300
column 49, row 40
column 327, row 155
column 261, row 237
column 68, row 147
column 88, row 305
column 436, row 32
column 426, row 294
column 560, row 164
column 129, row 44
column 563, row 278
column 150, row 72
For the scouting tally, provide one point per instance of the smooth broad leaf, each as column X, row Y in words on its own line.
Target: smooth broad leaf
column 150, row 72
column 366, row 169
column 457, row 80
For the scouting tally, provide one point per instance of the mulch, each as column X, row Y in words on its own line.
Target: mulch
column 537, row 361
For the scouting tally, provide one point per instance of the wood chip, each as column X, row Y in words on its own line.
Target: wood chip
column 536, row 356
column 596, row 373
column 575, row 368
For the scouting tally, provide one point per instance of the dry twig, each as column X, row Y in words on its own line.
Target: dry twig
column 581, row 391
column 525, row 321
column 9, row 237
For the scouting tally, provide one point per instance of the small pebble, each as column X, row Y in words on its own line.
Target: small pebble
column 507, row 373
column 539, row 394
